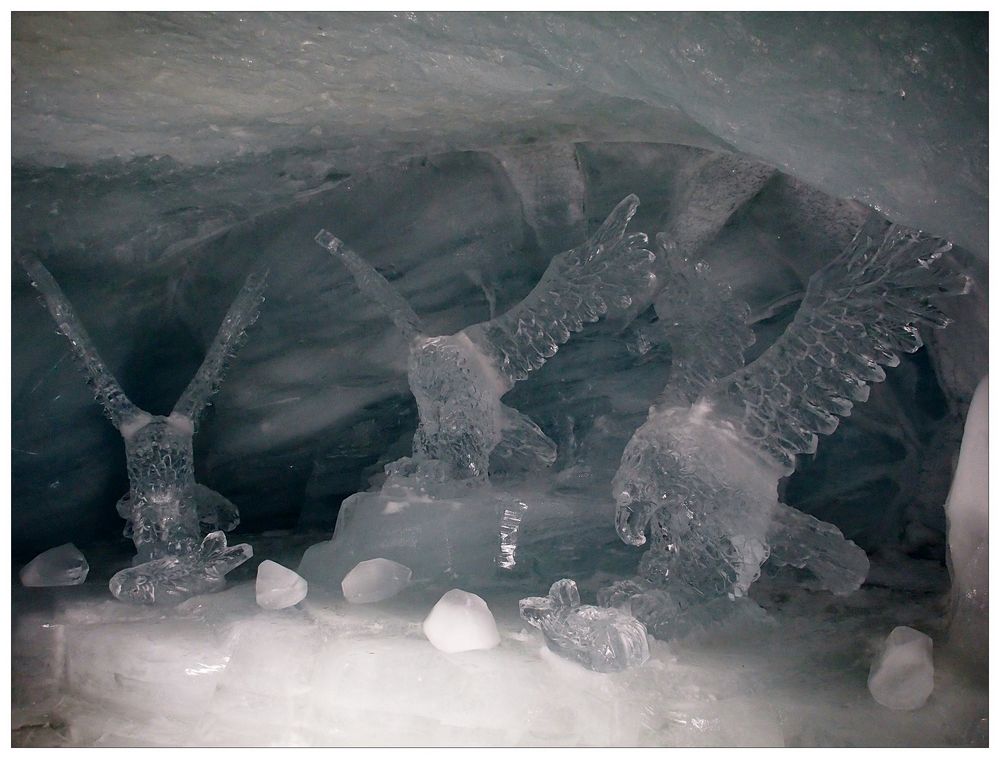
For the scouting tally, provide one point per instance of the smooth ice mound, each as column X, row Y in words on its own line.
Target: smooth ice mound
column 461, row 621
column 62, row 565
column 279, row 587
column 375, row 580
column 604, row 640
column 902, row 676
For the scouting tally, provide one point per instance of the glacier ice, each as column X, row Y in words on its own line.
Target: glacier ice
column 967, row 510
column 375, row 580
column 165, row 508
column 278, row 587
column 604, row 640
column 62, row 565
column 461, row 621
column 702, row 478
column 458, row 379
column 902, row 675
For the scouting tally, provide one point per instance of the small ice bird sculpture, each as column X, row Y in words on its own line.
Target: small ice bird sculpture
column 458, row 379
column 701, row 474
column 167, row 512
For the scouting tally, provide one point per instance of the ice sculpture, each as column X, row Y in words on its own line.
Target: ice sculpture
column 702, row 477
column 167, row 512
column 604, row 640
column 375, row 580
column 458, row 379
column 278, row 587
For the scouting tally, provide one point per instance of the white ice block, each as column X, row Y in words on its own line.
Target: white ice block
column 461, row 621
column 62, row 565
column 279, row 587
column 375, row 580
column 902, row 676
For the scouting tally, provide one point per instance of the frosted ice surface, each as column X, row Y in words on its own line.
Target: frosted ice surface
column 967, row 511
column 165, row 508
column 62, row 565
column 604, row 640
column 279, row 587
column 375, row 580
column 461, row 621
column 902, row 676
column 702, row 478
column 458, row 379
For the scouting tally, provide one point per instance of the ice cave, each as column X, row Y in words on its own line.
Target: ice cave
column 499, row 379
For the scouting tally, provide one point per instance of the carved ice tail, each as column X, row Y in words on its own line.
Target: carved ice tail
column 374, row 286
column 241, row 315
column 106, row 388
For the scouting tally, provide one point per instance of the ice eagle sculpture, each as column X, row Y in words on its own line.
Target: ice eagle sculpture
column 458, row 380
column 176, row 524
column 700, row 476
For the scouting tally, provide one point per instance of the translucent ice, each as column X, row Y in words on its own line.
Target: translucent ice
column 458, row 379
column 702, row 478
column 902, row 675
column 604, row 640
column 164, row 509
column 461, row 621
column 62, row 565
column 279, row 587
column 375, row 580
column 967, row 510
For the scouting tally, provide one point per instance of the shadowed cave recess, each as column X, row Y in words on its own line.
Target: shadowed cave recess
column 159, row 159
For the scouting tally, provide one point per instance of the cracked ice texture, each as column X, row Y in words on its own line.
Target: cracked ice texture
column 703, row 478
column 604, row 640
column 458, row 379
column 62, row 565
column 164, row 508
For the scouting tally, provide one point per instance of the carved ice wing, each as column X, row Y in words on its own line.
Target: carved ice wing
column 374, row 286
column 106, row 388
column 704, row 322
column 241, row 315
column 860, row 311
column 578, row 287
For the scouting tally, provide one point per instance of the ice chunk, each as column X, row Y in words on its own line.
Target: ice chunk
column 461, row 621
column 967, row 510
column 902, row 676
column 604, row 640
column 375, row 580
column 62, row 565
column 279, row 587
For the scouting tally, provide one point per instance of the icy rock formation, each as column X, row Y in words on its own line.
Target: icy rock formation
column 62, row 565
column 604, row 640
column 902, row 675
column 375, row 580
column 967, row 510
column 165, row 509
column 458, row 379
column 461, row 621
column 702, row 478
column 278, row 587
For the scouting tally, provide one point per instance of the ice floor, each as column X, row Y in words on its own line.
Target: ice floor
column 220, row 671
